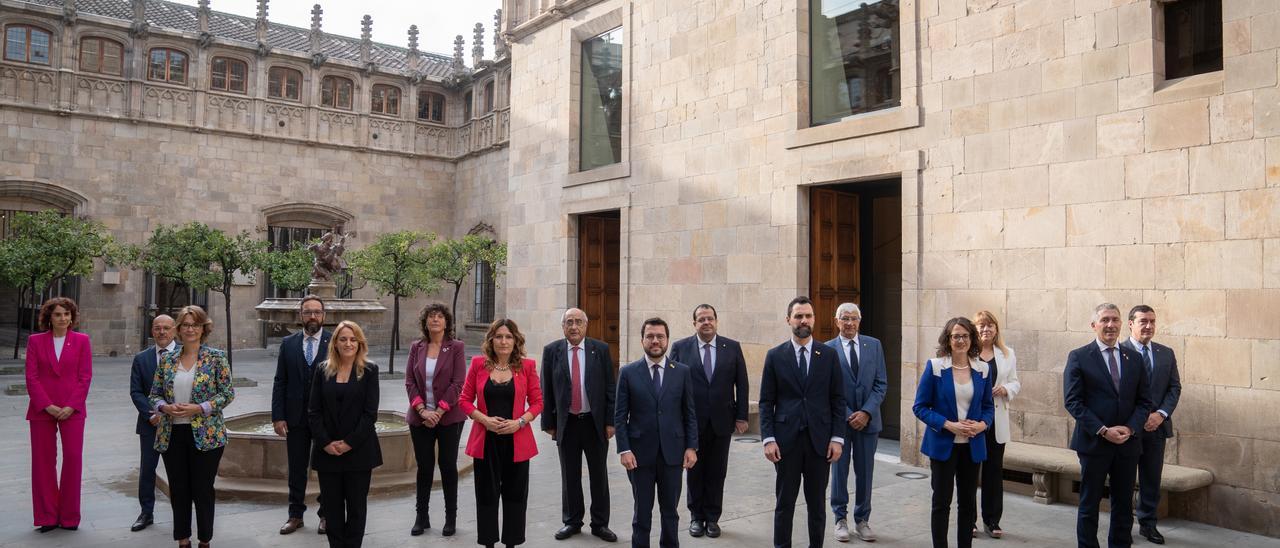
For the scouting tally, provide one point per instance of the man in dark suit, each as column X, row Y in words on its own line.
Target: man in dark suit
column 1166, row 387
column 657, row 433
column 866, row 380
column 140, row 375
column 577, row 396
column 1105, row 389
column 720, row 397
column 802, row 413
column 299, row 354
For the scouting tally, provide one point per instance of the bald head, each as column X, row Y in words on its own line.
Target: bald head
column 574, row 323
column 162, row 330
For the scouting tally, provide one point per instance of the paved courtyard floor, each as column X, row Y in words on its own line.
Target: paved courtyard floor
column 900, row 514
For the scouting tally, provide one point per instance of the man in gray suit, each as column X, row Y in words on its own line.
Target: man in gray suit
column 1165, row 387
column 866, row 381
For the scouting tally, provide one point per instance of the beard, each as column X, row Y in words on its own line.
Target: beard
column 654, row 353
column 311, row 326
column 802, row 331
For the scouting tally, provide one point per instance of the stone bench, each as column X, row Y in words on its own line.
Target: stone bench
column 1053, row 468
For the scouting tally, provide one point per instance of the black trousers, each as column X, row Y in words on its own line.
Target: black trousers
column 800, row 464
column 298, row 446
column 426, row 442
column 993, row 481
column 665, row 479
column 958, row 475
column 1150, row 468
column 346, row 498
column 191, row 473
column 580, row 439
column 706, row 478
column 1094, row 471
column 499, row 481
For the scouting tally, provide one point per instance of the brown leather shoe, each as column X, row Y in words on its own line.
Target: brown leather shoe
column 293, row 524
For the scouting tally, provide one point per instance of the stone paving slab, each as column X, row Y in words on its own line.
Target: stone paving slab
column 899, row 517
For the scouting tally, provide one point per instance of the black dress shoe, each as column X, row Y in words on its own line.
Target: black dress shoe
column 321, row 529
column 144, row 519
column 47, row 528
column 696, row 528
column 568, row 531
column 604, row 533
column 421, row 523
column 450, row 523
column 70, row 527
column 1151, row 534
column 713, row 529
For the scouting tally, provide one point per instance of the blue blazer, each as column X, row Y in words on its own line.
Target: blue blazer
column 140, row 376
column 789, row 399
column 1092, row 399
column 292, row 387
column 866, row 392
column 655, row 424
column 724, row 398
column 1165, row 384
column 936, row 404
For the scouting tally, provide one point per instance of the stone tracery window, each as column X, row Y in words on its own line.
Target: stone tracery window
column 284, row 83
column 167, row 65
column 336, row 92
column 101, row 55
column 227, row 74
column 27, row 44
column 385, row 100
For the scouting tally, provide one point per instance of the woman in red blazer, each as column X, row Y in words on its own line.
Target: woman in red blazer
column 433, row 380
column 59, row 369
column 502, row 396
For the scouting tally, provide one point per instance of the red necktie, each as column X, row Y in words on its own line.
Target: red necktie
column 575, row 377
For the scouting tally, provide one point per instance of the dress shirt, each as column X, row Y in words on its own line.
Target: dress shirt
column 1150, row 353
column 844, row 348
column 714, row 357
column 314, row 340
column 582, row 361
column 160, row 352
column 1115, row 355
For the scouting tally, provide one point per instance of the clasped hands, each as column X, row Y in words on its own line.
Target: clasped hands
column 499, row 425
column 858, row 420
column 181, row 410
column 968, row 428
column 337, row 448
column 430, row 418
column 60, row 413
column 1117, row 434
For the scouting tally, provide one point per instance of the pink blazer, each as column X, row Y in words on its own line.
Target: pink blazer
column 527, row 391
column 53, row 381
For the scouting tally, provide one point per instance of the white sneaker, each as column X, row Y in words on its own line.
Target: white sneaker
column 864, row 532
column 842, row 530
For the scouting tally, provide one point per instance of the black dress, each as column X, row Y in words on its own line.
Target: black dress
column 498, row 478
column 993, row 468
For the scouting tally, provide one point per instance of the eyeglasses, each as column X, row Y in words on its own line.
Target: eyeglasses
column 189, row 326
column 575, row 321
column 960, row 337
column 848, row 319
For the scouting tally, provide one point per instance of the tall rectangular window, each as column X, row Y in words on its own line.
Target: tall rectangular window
column 600, row 128
column 26, row 44
column 484, row 293
column 853, row 58
column 1192, row 37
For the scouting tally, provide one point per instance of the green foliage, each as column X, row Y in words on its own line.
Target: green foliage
column 396, row 263
column 451, row 261
column 46, row 246
column 289, row 269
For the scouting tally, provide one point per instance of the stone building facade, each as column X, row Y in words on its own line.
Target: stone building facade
column 140, row 113
column 1033, row 158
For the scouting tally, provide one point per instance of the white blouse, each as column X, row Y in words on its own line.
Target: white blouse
column 429, row 373
column 182, row 383
column 964, row 396
column 57, row 346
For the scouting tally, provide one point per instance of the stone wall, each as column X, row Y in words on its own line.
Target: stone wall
column 1045, row 166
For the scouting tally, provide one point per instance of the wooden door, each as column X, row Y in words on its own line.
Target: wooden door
column 834, row 257
column 599, row 276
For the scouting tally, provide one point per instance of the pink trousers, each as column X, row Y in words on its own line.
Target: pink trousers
column 55, row 502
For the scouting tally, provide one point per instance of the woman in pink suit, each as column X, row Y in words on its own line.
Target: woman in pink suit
column 59, row 369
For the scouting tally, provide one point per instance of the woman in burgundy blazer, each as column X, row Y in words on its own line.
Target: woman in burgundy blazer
column 502, row 396
column 59, row 369
column 433, row 380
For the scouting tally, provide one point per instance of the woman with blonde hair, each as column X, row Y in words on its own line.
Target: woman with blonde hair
column 502, row 395
column 190, row 389
column 342, row 413
column 1004, row 369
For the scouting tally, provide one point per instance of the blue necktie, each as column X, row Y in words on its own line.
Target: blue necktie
column 657, row 379
column 804, row 364
column 706, row 360
column 854, row 366
column 1146, row 357
column 310, row 352
column 1115, row 370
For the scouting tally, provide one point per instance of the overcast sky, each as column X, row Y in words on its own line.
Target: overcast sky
column 438, row 20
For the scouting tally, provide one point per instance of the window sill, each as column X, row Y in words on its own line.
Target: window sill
column 1191, row 87
column 871, row 123
column 605, row 173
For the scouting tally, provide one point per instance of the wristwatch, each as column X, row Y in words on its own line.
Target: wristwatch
column 522, row 422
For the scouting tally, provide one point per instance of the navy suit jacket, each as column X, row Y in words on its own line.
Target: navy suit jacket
column 866, row 392
column 140, row 377
column 723, row 399
column 935, row 404
column 791, row 402
column 557, row 385
column 292, row 388
column 651, row 424
column 1092, row 399
column 1166, row 385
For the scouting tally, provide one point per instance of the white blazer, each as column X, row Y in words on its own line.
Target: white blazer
column 1006, row 376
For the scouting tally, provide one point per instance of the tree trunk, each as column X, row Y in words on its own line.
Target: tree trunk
column 17, row 337
column 457, row 288
column 395, row 336
column 226, row 302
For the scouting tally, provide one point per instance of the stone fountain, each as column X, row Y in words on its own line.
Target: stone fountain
column 327, row 263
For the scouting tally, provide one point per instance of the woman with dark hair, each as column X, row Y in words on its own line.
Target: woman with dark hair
column 59, row 369
column 190, row 389
column 502, row 396
column 1003, row 367
column 433, row 379
column 341, row 412
column 955, row 404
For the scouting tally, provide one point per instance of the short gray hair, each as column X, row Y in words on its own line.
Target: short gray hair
column 1097, row 310
column 847, row 307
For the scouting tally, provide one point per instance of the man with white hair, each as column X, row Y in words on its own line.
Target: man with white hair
column 866, row 380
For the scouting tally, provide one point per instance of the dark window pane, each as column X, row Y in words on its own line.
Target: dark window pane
column 488, row 97
column 39, row 46
column 466, row 107
column 326, row 92
column 1193, row 37
column 484, row 293
column 437, row 107
column 238, row 75
column 292, row 84
column 177, row 67
column 600, row 140
column 344, row 93
column 853, row 56
column 15, row 46
column 155, row 69
column 218, row 79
